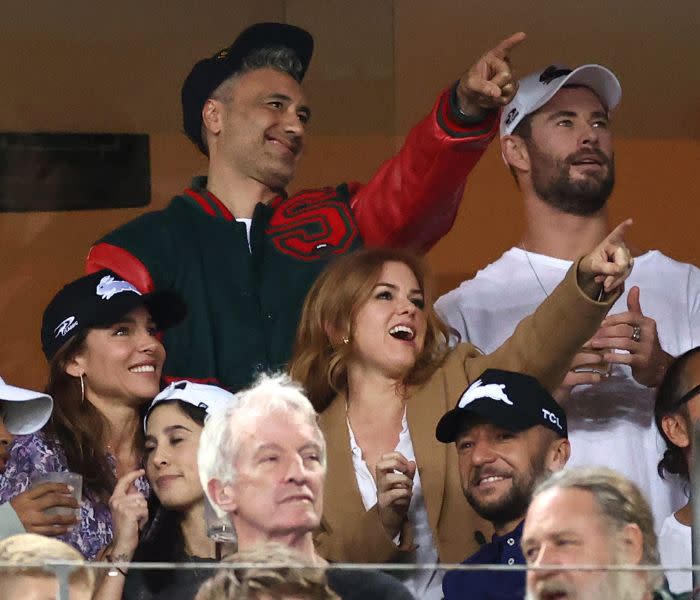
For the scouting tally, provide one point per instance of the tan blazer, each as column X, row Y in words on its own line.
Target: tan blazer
column 542, row 345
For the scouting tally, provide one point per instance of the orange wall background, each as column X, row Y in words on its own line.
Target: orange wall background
column 658, row 185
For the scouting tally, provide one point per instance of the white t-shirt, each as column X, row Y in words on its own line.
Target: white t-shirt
column 675, row 548
column 247, row 223
column 423, row 584
column 611, row 423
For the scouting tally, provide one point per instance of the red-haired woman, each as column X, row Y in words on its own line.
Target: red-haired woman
column 373, row 358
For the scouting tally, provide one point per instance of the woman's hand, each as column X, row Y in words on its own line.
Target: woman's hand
column 606, row 268
column 30, row 507
column 394, row 490
column 129, row 515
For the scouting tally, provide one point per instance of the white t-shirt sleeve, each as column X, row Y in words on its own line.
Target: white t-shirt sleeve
column 248, row 223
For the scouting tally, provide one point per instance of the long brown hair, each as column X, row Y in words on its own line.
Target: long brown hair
column 78, row 426
column 320, row 354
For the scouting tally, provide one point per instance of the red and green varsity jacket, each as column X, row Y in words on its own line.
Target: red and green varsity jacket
column 244, row 304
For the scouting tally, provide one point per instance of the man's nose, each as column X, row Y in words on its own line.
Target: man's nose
column 296, row 470
column 483, row 452
column 590, row 135
column 546, row 556
column 293, row 124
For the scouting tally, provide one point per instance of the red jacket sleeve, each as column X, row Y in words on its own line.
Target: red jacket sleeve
column 412, row 200
column 122, row 262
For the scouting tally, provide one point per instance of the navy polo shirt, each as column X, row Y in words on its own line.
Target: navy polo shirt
column 490, row 585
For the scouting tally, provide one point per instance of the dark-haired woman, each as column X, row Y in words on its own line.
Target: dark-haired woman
column 676, row 411
column 99, row 335
column 177, row 531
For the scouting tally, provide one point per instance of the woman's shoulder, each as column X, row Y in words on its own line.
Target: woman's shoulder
column 333, row 414
column 458, row 356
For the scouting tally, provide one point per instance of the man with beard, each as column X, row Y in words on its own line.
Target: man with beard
column 590, row 516
column 557, row 141
column 509, row 433
column 240, row 250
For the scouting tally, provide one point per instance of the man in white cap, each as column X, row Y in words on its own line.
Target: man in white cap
column 557, row 141
column 21, row 412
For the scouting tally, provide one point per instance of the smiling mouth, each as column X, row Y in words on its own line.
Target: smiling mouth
column 489, row 480
column 402, row 332
column 292, row 148
column 143, row 369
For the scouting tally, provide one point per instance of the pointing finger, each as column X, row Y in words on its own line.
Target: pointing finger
column 617, row 235
column 505, row 46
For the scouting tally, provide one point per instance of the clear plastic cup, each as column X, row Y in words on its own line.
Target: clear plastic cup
column 219, row 529
column 74, row 481
column 601, row 367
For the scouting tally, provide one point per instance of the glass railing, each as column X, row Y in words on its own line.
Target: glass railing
column 607, row 581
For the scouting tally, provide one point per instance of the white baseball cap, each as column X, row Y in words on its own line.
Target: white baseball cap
column 24, row 411
column 210, row 398
column 536, row 90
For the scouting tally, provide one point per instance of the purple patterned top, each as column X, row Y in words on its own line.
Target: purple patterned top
column 32, row 454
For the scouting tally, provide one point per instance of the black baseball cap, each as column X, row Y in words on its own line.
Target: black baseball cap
column 513, row 401
column 210, row 73
column 99, row 300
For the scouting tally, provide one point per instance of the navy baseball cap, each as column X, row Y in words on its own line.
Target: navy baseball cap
column 513, row 401
column 99, row 300
column 209, row 73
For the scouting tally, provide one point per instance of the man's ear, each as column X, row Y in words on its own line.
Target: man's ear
column 632, row 540
column 675, row 427
column 515, row 152
column 223, row 495
column 558, row 455
column 211, row 116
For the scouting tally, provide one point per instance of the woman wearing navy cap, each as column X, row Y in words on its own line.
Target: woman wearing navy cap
column 177, row 532
column 105, row 360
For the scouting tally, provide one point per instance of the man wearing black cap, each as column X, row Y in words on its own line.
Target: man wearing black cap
column 242, row 252
column 510, row 434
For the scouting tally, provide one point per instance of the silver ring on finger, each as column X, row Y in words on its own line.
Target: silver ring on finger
column 636, row 333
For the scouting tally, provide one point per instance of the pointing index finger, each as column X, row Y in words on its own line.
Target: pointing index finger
column 618, row 234
column 505, row 46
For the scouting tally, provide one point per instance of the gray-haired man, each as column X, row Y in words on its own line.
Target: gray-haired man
column 590, row 516
column 262, row 461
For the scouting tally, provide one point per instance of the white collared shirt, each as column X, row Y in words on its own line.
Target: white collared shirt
column 423, row 584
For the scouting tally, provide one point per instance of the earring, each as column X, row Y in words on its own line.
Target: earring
column 82, row 388
column 346, row 340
